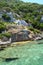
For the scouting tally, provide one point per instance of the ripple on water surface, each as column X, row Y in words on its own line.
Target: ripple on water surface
column 29, row 54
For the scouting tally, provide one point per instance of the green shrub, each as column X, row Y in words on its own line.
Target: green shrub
column 37, row 31
column 31, row 28
column 1, row 36
column 34, row 30
column 6, row 17
column 8, row 35
column 2, row 27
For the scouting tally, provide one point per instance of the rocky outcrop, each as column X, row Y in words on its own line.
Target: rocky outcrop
column 21, row 22
column 21, row 35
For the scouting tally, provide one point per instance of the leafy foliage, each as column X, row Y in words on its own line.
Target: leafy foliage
column 6, row 17
column 2, row 27
column 30, row 12
column 8, row 35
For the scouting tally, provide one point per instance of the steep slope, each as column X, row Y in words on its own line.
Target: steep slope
column 30, row 12
column 10, row 1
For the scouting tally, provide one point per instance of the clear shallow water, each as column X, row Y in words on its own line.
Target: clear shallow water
column 29, row 54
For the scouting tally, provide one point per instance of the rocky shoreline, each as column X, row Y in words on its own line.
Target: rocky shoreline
column 5, row 44
column 9, row 41
column 30, row 36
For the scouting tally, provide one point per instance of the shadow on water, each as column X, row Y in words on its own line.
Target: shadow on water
column 40, row 42
column 1, row 49
column 9, row 59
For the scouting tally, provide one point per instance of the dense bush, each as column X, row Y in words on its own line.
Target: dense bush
column 34, row 30
column 2, row 27
column 8, row 35
column 6, row 17
column 31, row 12
column 31, row 28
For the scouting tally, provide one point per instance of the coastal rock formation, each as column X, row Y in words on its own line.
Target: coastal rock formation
column 20, row 35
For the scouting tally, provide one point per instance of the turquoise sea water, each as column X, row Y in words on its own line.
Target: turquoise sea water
column 28, row 54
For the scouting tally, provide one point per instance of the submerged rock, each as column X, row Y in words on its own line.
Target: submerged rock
column 10, row 59
column 1, row 49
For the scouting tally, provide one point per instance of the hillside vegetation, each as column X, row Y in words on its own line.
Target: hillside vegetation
column 30, row 12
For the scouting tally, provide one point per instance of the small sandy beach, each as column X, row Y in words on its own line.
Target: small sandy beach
column 20, row 43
